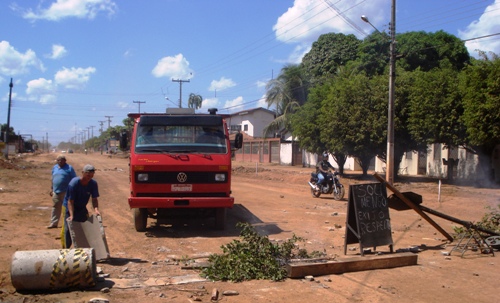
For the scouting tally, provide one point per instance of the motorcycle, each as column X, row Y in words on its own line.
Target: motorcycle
column 331, row 185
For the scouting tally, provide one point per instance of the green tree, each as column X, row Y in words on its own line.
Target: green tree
column 287, row 93
column 373, row 54
column 327, row 54
column 344, row 116
column 480, row 87
column 195, row 101
column 356, row 115
column 436, row 107
column 428, row 51
column 306, row 127
column 12, row 133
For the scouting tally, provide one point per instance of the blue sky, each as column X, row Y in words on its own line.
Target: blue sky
column 74, row 63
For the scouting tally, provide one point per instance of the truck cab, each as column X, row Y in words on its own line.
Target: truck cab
column 180, row 164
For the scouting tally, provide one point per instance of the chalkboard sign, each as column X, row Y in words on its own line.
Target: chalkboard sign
column 368, row 221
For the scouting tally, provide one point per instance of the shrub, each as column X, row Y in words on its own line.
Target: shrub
column 253, row 257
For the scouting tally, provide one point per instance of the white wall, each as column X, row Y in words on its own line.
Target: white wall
column 286, row 153
column 256, row 119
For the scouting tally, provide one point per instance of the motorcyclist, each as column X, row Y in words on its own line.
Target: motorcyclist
column 322, row 169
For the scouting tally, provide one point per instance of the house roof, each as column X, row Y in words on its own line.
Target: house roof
column 249, row 111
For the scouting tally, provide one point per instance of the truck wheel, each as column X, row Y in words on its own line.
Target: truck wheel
column 140, row 219
column 220, row 218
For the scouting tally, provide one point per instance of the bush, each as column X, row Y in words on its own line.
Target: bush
column 253, row 257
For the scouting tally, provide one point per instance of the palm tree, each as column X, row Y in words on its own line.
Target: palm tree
column 287, row 92
column 194, row 101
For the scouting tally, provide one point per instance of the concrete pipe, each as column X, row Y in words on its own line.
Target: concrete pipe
column 53, row 269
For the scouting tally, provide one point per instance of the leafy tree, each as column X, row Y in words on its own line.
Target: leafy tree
column 327, row 54
column 480, row 87
column 287, row 93
column 373, row 54
column 428, row 51
column 195, row 101
column 306, row 127
column 350, row 116
column 436, row 107
column 12, row 133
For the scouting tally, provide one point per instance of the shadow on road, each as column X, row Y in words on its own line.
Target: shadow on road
column 204, row 227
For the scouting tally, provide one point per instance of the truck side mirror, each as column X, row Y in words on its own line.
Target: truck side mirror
column 238, row 140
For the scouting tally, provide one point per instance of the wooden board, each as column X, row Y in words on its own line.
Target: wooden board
column 300, row 270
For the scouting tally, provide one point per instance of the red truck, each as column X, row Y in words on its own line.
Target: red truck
column 180, row 165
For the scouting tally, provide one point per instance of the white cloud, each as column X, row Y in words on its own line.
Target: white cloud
column 222, row 84
column 13, row 63
column 173, row 67
column 486, row 25
column 235, row 104
column 262, row 102
column 298, row 53
column 74, row 78
column 306, row 20
column 61, row 9
column 208, row 103
column 41, row 90
column 128, row 53
column 261, row 84
column 58, row 51
column 123, row 105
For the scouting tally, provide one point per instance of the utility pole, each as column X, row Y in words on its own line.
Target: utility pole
column 180, row 90
column 92, row 127
column 8, row 122
column 139, row 102
column 101, row 123
column 390, row 114
column 109, row 120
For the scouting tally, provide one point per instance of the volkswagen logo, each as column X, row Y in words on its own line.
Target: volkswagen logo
column 182, row 177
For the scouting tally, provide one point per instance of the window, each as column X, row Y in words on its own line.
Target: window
column 235, row 128
column 245, row 127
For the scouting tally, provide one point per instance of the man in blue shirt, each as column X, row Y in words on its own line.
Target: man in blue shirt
column 62, row 173
column 80, row 190
column 322, row 169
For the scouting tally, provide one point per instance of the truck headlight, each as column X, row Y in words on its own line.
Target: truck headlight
column 220, row 177
column 142, row 177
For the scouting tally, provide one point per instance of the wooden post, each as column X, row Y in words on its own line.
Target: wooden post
column 414, row 207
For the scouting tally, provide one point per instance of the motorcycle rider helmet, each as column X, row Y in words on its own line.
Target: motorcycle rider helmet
column 325, row 156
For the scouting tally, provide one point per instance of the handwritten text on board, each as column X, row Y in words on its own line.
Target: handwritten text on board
column 371, row 215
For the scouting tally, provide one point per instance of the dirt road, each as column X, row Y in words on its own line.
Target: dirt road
column 277, row 201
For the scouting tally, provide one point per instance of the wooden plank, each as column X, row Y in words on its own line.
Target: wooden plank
column 360, row 263
column 414, row 207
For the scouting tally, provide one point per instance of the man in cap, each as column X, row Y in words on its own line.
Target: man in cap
column 62, row 173
column 80, row 190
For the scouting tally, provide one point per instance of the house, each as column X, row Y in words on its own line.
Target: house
column 284, row 149
column 251, row 122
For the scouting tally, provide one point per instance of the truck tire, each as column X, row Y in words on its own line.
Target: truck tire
column 140, row 219
column 220, row 218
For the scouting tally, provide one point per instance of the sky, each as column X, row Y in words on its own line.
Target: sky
column 80, row 66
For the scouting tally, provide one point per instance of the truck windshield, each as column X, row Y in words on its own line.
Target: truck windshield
column 180, row 139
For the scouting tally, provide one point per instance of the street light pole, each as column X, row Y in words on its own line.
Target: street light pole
column 390, row 111
column 389, row 168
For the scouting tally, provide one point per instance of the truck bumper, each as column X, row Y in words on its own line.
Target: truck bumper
column 180, row 202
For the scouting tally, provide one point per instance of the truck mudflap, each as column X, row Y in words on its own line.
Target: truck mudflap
column 181, row 202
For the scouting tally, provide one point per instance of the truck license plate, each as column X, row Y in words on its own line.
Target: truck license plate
column 182, row 187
